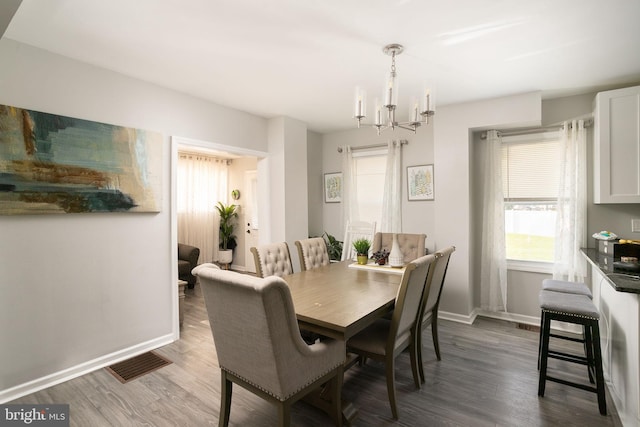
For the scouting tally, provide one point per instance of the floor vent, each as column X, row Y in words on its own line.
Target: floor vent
column 137, row 366
column 528, row 327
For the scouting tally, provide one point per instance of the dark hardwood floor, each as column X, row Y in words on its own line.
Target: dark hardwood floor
column 487, row 377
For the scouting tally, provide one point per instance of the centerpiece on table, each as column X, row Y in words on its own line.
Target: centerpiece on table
column 381, row 256
column 362, row 247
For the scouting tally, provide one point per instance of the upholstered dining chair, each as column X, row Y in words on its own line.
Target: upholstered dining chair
column 259, row 348
column 356, row 230
column 313, row 253
column 272, row 260
column 411, row 245
column 430, row 304
column 386, row 339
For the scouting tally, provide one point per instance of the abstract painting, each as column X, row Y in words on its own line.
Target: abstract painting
column 57, row 164
column 420, row 182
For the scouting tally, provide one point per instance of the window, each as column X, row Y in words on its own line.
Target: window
column 530, row 182
column 370, row 168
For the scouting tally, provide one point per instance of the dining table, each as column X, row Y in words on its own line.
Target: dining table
column 338, row 301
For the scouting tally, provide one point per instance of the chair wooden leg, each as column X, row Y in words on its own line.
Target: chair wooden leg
column 391, row 384
column 284, row 414
column 413, row 353
column 419, row 354
column 434, row 334
column 226, row 389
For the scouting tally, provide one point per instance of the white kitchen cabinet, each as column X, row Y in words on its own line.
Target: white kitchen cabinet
column 620, row 340
column 616, row 168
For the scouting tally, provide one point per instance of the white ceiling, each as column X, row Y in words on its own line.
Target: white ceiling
column 303, row 59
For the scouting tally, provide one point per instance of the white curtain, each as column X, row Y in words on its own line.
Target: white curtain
column 201, row 182
column 572, row 204
column 493, row 273
column 392, row 196
column 349, row 187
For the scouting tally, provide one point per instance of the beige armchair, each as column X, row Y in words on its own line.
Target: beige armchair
column 313, row 253
column 386, row 339
column 259, row 347
column 411, row 245
column 272, row 260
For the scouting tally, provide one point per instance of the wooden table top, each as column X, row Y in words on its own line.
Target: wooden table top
column 338, row 301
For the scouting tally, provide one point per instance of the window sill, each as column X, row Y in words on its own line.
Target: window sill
column 530, row 266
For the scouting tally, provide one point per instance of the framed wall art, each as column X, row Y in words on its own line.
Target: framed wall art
column 333, row 187
column 57, row 164
column 420, row 182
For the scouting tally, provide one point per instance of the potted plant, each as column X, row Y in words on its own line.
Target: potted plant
column 227, row 226
column 334, row 247
column 380, row 256
column 362, row 250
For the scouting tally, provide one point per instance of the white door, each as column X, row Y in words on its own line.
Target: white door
column 251, row 218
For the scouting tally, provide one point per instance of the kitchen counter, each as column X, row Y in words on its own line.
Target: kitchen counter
column 620, row 280
column 617, row 295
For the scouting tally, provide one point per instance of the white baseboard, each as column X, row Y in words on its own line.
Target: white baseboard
column 82, row 369
column 460, row 318
column 510, row 317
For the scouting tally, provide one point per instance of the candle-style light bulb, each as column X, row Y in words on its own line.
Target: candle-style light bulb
column 360, row 103
column 378, row 119
column 414, row 111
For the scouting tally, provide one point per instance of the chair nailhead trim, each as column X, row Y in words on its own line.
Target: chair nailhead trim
column 565, row 313
column 282, row 399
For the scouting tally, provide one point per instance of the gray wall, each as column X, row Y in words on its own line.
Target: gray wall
column 523, row 287
column 417, row 217
column 80, row 290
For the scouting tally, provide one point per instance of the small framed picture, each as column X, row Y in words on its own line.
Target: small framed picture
column 333, row 187
column 420, row 182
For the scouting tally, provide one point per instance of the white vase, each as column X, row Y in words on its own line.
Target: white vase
column 396, row 259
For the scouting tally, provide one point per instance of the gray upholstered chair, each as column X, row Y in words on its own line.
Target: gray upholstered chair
column 258, row 344
column 313, row 253
column 386, row 339
column 272, row 260
column 411, row 245
column 187, row 261
column 431, row 302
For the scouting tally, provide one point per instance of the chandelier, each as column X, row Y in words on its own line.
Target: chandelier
column 418, row 114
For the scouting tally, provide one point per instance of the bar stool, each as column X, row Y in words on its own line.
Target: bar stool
column 568, row 288
column 577, row 309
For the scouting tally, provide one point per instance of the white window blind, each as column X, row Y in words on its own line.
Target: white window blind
column 530, row 167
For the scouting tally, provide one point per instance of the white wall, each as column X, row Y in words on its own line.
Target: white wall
column 79, row 291
column 288, row 202
column 315, row 183
column 417, row 217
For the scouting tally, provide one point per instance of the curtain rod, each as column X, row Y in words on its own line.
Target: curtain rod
column 528, row 131
column 200, row 154
column 367, row 147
